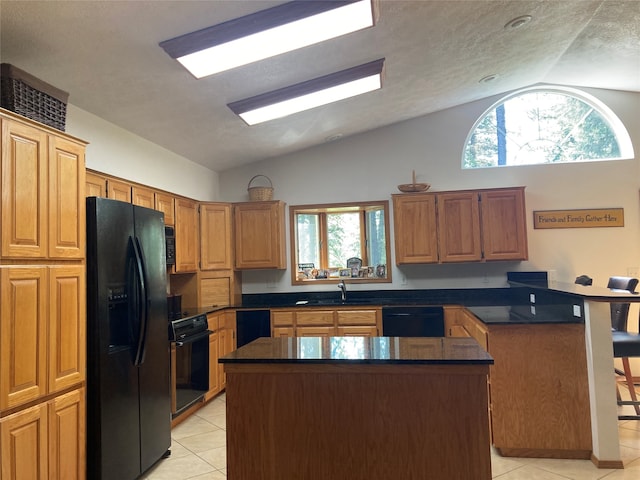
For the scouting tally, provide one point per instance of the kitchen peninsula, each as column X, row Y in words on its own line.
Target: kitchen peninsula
column 594, row 303
column 358, row 407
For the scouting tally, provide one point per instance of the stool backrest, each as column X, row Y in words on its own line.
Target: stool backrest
column 620, row 311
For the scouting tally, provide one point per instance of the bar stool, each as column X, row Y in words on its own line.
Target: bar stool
column 625, row 344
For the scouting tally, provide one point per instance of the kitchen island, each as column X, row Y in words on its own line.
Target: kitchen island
column 591, row 303
column 358, row 408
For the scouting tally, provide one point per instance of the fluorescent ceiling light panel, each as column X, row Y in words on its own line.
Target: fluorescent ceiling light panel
column 268, row 33
column 310, row 94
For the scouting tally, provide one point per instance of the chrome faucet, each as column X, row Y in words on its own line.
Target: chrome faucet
column 343, row 291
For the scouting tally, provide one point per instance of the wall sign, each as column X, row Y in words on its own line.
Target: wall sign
column 603, row 217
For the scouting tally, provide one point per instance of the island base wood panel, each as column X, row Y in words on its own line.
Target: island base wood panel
column 539, row 391
column 357, row 422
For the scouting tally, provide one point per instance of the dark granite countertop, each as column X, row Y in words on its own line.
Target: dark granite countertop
column 361, row 350
column 522, row 314
column 586, row 292
column 379, row 298
column 194, row 311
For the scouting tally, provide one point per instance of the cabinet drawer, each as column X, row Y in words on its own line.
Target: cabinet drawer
column 282, row 332
column 281, row 318
column 315, row 317
column 315, row 331
column 358, row 331
column 356, row 317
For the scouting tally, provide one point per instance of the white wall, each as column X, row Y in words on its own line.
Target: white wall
column 369, row 166
column 118, row 152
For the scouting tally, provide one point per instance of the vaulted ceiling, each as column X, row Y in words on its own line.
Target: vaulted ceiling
column 106, row 55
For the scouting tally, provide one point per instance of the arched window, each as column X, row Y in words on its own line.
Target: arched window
column 546, row 125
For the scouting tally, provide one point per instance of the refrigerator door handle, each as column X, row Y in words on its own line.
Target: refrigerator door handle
column 142, row 310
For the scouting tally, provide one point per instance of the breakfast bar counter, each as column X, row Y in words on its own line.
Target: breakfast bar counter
column 358, row 408
column 591, row 303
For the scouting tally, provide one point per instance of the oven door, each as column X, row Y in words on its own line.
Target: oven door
column 189, row 371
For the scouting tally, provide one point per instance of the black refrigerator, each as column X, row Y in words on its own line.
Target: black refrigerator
column 128, row 392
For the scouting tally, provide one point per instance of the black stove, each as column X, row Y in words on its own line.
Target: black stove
column 189, row 327
column 189, row 339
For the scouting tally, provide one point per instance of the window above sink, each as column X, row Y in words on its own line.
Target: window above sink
column 340, row 241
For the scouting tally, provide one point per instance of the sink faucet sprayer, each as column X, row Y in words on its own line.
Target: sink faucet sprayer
column 343, row 291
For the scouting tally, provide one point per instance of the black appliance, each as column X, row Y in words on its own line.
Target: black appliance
column 413, row 321
column 252, row 324
column 128, row 395
column 170, row 245
column 190, row 337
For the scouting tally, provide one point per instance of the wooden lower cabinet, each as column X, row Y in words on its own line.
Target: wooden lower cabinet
column 538, row 385
column 320, row 322
column 354, row 421
column 46, row 441
column 221, row 342
column 42, row 331
column 282, row 332
column 24, row 444
column 321, row 331
column 214, row 383
column 67, row 426
column 539, row 391
column 357, row 331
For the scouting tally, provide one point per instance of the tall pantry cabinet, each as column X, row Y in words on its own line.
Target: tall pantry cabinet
column 42, row 302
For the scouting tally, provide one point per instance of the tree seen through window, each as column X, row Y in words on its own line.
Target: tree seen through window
column 545, row 126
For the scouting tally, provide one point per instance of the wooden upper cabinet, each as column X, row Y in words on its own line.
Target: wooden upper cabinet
column 463, row 226
column 504, row 226
column 166, row 204
column 459, row 227
column 215, row 236
column 98, row 185
column 415, row 227
column 259, row 235
column 186, row 235
column 143, row 197
column 24, row 190
column 66, row 199
column 43, row 185
column 95, row 185
column 118, row 190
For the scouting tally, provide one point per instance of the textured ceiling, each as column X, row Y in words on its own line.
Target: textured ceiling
column 106, row 55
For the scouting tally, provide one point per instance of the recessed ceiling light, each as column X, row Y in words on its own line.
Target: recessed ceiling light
column 518, row 22
column 268, row 33
column 310, row 94
column 489, row 78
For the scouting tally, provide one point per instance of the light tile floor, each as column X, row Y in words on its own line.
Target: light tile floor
column 198, row 452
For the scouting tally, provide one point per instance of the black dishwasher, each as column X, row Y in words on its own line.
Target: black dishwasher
column 252, row 324
column 413, row 321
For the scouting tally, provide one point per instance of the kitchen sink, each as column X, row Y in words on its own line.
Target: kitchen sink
column 337, row 301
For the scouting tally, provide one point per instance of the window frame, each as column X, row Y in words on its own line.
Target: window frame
column 622, row 135
column 323, row 209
